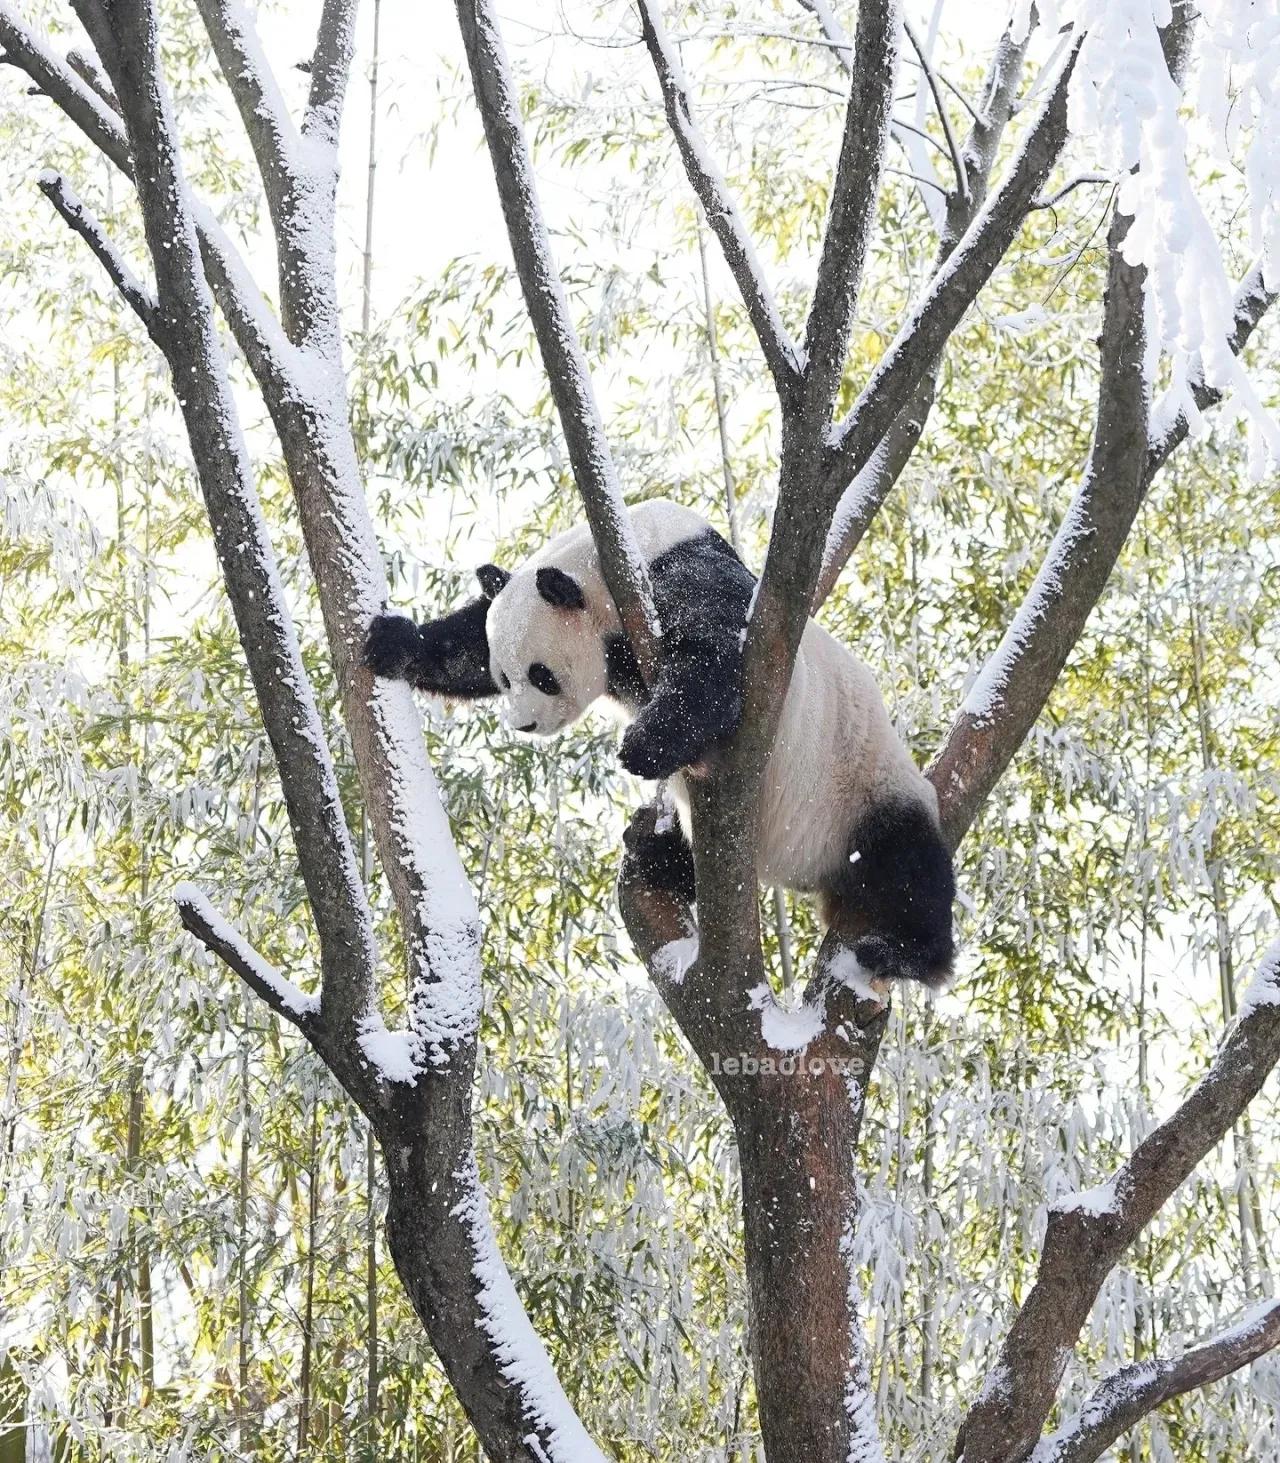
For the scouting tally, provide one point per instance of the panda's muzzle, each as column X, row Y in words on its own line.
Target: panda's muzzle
column 532, row 727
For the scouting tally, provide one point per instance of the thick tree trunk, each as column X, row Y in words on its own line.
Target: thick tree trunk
column 797, row 1141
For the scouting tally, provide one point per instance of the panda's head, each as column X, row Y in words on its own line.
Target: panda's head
column 546, row 646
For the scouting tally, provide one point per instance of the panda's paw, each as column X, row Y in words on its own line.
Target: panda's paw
column 657, row 860
column 392, row 645
column 660, row 742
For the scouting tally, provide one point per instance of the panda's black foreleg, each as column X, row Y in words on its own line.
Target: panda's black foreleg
column 697, row 701
column 895, row 893
column 702, row 592
column 658, row 857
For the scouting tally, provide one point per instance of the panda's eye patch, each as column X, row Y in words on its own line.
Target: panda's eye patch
column 506, row 683
column 541, row 679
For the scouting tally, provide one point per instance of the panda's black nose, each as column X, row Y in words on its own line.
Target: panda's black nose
column 533, row 726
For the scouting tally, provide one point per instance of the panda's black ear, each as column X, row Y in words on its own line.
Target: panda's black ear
column 492, row 580
column 560, row 589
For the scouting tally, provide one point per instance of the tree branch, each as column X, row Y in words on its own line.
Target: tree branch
column 330, row 70
column 962, row 182
column 81, row 221
column 953, row 288
column 186, row 332
column 851, row 214
column 1128, row 1395
column 88, row 72
column 562, row 354
column 226, row 942
column 1088, row 1233
column 255, row 327
column 1015, row 683
column 247, row 72
column 873, row 482
column 721, row 211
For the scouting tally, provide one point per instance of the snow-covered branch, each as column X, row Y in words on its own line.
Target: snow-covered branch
column 94, row 110
column 862, row 499
column 1016, row 681
column 719, row 207
column 330, row 70
column 222, row 939
column 562, row 353
column 83, row 222
column 1088, row 1233
column 187, row 333
column 256, row 93
column 1130, row 1393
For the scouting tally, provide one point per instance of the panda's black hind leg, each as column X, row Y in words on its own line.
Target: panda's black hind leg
column 658, row 857
column 896, row 891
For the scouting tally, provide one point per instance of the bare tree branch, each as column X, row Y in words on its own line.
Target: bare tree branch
column 721, row 211
column 1128, row 1395
column 962, row 182
column 1088, row 1233
column 1017, row 680
column 562, row 354
column 851, row 214
column 953, row 288
column 226, row 942
column 83, row 222
column 873, row 482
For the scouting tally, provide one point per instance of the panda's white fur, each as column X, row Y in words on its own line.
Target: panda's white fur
column 836, row 752
column 846, row 812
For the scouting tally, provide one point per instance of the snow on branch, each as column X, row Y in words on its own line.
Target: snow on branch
column 92, row 107
column 83, row 222
column 718, row 205
column 222, row 939
column 189, row 338
column 1016, row 681
column 1130, row 1393
column 1087, row 1235
column 91, row 74
column 257, row 95
column 330, row 70
column 562, row 353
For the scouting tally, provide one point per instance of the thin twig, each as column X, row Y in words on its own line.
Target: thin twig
column 962, row 182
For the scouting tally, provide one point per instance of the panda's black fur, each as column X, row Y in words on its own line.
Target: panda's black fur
column 848, row 815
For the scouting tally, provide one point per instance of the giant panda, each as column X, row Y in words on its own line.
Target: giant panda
column 846, row 815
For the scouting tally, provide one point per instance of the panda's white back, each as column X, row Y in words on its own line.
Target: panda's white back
column 835, row 755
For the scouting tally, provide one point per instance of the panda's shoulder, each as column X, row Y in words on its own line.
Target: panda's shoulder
column 660, row 524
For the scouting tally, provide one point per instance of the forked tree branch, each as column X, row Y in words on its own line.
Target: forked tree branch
column 1130, row 1394
column 562, row 354
column 84, row 223
column 1088, row 1233
column 726, row 222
